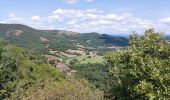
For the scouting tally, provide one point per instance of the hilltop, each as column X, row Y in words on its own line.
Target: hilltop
column 57, row 40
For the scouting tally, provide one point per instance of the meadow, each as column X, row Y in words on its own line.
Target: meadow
column 86, row 59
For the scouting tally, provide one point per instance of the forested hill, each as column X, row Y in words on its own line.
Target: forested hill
column 60, row 40
column 22, row 36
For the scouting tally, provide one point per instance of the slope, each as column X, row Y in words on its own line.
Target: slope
column 58, row 40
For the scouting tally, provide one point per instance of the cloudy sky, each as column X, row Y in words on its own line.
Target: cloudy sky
column 103, row 16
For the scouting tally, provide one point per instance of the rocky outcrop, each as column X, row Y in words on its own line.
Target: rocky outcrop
column 60, row 66
column 13, row 32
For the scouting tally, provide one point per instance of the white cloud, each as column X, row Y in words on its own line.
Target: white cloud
column 72, row 22
column 51, row 28
column 100, row 21
column 14, row 17
column 79, row 14
column 33, row 21
column 71, row 1
column 11, row 15
column 89, row 0
column 90, row 20
column 163, row 25
column 76, row 1
column 111, row 16
column 36, row 18
column 165, row 20
column 53, row 17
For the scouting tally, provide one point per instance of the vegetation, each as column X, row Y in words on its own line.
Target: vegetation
column 85, row 59
column 64, row 90
column 24, row 75
column 142, row 71
column 29, row 38
column 95, row 73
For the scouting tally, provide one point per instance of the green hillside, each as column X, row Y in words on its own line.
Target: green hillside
column 41, row 78
column 27, row 76
column 58, row 40
column 139, row 72
column 22, row 36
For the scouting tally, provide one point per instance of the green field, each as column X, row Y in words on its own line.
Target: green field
column 86, row 59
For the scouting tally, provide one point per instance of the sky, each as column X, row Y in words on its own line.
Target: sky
column 102, row 16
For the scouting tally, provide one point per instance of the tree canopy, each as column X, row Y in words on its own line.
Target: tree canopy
column 143, row 70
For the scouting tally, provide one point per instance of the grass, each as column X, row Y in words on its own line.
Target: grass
column 86, row 59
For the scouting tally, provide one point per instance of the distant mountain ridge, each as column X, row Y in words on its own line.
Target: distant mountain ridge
column 60, row 40
column 117, row 40
column 60, row 32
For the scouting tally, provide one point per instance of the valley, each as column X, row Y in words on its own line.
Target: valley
column 66, row 46
column 85, row 50
column 72, row 54
column 64, row 59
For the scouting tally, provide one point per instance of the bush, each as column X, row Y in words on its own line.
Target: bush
column 73, row 61
column 63, row 90
column 9, row 73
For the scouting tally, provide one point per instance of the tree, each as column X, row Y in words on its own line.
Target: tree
column 74, row 61
column 9, row 73
column 143, row 70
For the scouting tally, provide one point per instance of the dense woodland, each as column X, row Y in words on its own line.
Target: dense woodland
column 139, row 72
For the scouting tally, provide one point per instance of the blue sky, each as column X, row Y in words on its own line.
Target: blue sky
column 103, row 16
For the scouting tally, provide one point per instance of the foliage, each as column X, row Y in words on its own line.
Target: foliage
column 95, row 73
column 29, row 38
column 85, row 59
column 9, row 72
column 142, row 71
column 64, row 90
column 25, row 75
